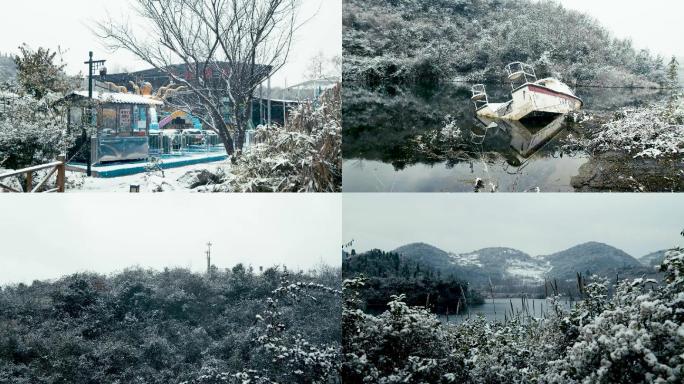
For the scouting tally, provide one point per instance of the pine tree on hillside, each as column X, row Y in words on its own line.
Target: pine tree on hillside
column 672, row 71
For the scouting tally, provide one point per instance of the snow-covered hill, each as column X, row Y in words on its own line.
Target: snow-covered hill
column 535, row 270
column 653, row 258
column 504, row 263
column 501, row 264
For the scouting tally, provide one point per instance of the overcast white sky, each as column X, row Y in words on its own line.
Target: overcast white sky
column 653, row 24
column 47, row 237
column 65, row 23
column 534, row 223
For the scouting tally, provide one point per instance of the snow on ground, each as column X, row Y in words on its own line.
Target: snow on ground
column 466, row 259
column 169, row 180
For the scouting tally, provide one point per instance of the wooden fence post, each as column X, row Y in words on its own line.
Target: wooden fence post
column 29, row 181
column 61, row 170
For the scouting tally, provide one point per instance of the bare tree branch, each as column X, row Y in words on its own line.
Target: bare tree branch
column 226, row 47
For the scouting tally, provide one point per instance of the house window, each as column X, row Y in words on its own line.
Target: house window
column 125, row 119
column 139, row 118
column 76, row 116
column 108, row 121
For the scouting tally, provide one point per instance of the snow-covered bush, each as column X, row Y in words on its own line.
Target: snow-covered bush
column 638, row 337
column 291, row 357
column 441, row 143
column 634, row 336
column 174, row 326
column 402, row 345
column 654, row 131
column 304, row 156
column 32, row 131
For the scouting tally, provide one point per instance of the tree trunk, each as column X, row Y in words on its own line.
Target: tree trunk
column 224, row 135
column 240, row 138
column 242, row 118
column 240, row 124
column 227, row 143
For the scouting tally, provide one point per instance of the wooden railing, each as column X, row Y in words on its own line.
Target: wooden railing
column 58, row 167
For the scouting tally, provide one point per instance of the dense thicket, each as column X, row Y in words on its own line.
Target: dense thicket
column 389, row 274
column 174, row 326
column 303, row 156
column 427, row 41
column 631, row 336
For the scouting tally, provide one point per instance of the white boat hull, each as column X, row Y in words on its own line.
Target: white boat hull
column 532, row 99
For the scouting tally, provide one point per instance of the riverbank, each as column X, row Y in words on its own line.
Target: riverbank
column 634, row 149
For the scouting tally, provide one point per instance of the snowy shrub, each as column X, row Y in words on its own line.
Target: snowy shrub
column 404, row 344
column 635, row 335
column 654, row 131
column 441, row 143
column 140, row 326
column 291, row 357
column 32, row 131
column 637, row 338
column 304, row 156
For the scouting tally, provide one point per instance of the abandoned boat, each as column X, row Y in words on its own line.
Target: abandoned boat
column 531, row 98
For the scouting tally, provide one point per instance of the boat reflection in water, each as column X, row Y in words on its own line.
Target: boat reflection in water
column 526, row 137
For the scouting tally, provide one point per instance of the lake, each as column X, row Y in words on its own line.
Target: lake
column 494, row 310
column 395, row 141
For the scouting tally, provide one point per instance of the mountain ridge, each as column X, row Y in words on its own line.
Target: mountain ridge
column 653, row 258
column 500, row 264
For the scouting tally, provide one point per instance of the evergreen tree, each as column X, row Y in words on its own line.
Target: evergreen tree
column 405, row 273
column 673, row 71
column 38, row 73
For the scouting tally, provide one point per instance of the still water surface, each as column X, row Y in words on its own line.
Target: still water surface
column 499, row 309
column 394, row 141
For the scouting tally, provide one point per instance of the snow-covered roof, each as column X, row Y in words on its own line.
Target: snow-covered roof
column 120, row 98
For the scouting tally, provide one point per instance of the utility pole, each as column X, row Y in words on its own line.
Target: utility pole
column 93, row 65
column 261, row 103
column 284, row 106
column 209, row 258
column 268, row 102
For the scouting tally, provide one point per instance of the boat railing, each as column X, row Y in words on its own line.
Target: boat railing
column 520, row 73
column 479, row 96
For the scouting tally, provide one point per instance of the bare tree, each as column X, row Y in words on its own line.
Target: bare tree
column 322, row 67
column 225, row 49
